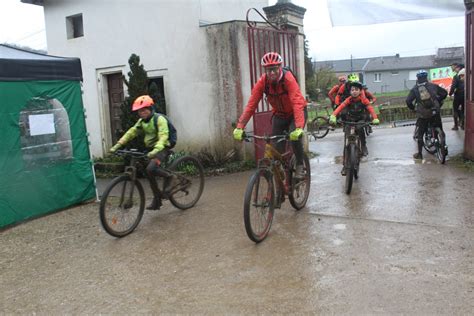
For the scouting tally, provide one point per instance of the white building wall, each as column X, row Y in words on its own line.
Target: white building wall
column 167, row 37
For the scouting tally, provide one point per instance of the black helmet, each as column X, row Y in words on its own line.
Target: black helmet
column 357, row 84
column 422, row 74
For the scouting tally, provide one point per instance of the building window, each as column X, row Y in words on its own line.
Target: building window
column 378, row 77
column 394, row 73
column 74, row 26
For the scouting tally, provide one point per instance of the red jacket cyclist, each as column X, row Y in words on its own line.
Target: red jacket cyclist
column 288, row 106
column 355, row 108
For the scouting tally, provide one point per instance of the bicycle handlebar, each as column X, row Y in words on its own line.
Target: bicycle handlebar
column 354, row 123
column 267, row 138
column 132, row 152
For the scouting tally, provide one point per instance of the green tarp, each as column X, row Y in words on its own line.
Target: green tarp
column 45, row 162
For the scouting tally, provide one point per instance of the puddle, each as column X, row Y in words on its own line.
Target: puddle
column 388, row 161
column 337, row 242
column 340, row 226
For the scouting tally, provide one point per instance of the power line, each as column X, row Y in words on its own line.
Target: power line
column 29, row 35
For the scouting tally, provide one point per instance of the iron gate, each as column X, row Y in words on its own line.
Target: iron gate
column 262, row 40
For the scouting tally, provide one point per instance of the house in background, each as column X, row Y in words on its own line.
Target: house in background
column 392, row 73
column 194, row 50
column 395, row 73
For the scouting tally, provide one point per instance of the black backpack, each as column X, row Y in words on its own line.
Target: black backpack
column 285, row 91
column 173, row 134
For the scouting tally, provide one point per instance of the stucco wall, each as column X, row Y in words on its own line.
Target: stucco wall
column 170, row 43
column 225, row 67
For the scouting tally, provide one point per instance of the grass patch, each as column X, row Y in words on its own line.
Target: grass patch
column 230, row 167
column 460, row 162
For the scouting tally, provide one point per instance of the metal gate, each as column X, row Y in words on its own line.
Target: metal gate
column 262, row 40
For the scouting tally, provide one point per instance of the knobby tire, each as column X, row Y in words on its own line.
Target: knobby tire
column 299, row 189
column 190, row 182
column 350, row 166
column 111, row 221
column 259, row 193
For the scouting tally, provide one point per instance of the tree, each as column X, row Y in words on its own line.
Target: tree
column 308, row 64
column 137, row 84
column 324, row 80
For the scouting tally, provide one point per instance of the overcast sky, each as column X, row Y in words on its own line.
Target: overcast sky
column 23, row 24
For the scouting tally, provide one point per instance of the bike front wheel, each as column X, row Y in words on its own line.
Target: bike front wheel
column 319, row 127
column 121, row 206
column 351, row 162
column 259, row 205
column 190, row 182
column 299, row 190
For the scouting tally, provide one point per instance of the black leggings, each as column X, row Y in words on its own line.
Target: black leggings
column 281, row 125
column 458, row 110
column 154, row 169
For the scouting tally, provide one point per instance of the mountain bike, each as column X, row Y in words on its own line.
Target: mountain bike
column 434, row 141
column 352, row 151
column 123, row 201
column 272, row 181
column 319, row 127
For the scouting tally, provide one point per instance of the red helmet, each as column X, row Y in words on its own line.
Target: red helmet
column 271, row 59
column 141, row 102
column 342, row 79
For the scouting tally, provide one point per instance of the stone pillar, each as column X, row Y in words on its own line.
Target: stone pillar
column 469, row 4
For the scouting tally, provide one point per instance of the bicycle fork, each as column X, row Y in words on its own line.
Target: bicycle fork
column 128, row 203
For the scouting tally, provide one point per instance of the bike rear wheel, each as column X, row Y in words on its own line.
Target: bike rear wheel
column 319, row 127
column 187, row 192
column 259, row 205
column 441, row 150
column 350, row 166
column 299, row 190
column 428, row 144
column 121, row 206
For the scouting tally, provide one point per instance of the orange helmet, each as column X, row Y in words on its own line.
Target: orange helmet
column 141, row 102
column 342, row 79
column 271, row 59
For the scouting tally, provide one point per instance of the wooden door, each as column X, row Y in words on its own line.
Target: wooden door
column 115, row 88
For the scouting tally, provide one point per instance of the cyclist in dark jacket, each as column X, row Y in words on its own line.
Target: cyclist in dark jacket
column 457, row 91
column 428, row 98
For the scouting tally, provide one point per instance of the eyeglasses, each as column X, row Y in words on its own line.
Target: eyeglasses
column 273, row 69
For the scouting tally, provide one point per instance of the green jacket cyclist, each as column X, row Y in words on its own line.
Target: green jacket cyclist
column 155, row 137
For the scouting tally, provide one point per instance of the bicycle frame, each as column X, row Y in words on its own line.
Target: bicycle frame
column 352, row 137
column 130, row 170
column 274, row 162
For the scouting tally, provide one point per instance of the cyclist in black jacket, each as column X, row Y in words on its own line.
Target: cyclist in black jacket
column 428, row 98
column 457, row 90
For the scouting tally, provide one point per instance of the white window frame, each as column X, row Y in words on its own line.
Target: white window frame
column 379, row 76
